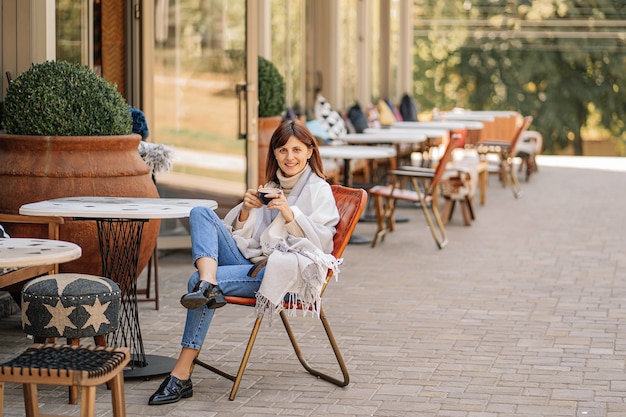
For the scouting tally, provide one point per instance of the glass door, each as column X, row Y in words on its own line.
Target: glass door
column 199, row 58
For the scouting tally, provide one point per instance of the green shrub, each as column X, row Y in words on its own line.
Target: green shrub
column 271, row 89
column 57, row 98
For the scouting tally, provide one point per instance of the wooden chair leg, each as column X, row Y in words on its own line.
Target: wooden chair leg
column 448, row 209
column 117, row 395
column 31, row 403
column 73, row 389
column 467, row 212
column 88, row 402
column 470, row 204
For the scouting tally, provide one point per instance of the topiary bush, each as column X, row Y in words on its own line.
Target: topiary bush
column 271, row 89
column 58, row 98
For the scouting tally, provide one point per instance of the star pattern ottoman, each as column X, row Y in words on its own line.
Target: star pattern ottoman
column 70, row 305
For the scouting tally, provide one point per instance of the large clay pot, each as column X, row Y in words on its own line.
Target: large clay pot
column 35, row 168
column 267, row 126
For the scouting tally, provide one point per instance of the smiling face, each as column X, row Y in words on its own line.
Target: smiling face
column 292, row 157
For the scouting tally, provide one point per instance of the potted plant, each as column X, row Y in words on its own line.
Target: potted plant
column 271, row 106
column 69, row 133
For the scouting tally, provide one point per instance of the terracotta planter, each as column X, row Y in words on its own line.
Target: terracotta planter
column 35, row 168
column 267, row 126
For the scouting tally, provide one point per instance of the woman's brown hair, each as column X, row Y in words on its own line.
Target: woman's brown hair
column 282, row 134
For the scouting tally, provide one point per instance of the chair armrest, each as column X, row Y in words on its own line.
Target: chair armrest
column 21, row 218
column 53, row 222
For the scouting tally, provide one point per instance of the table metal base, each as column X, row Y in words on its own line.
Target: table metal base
column 359, row 240
column 370, row 218
column 155, row 365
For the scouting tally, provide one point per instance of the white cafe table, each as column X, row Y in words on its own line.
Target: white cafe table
column 429, row 133
column 469, row 116
column 18, row 252
column 442, row 124
column 120, row 222
column 350, row 152
column 474, row 127
column 385, row 136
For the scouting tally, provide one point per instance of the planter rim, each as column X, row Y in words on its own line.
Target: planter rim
column 129, row 136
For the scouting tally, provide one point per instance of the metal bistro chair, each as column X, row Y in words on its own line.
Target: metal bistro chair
column 506, row 152
column 425, row 183
column 350, row 203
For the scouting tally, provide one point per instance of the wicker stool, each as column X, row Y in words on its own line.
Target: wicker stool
column 70, row 306
column 83, row 366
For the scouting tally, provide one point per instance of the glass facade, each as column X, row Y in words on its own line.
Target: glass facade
column 199, row 60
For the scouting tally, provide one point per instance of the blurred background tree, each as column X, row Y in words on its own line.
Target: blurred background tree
column 561, row 61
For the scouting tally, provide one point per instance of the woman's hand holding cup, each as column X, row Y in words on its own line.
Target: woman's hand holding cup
column 267, row 194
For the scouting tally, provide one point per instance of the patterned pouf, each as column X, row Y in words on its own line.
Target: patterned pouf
column 70, row 305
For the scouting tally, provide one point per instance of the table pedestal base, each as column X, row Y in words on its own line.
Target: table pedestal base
column 155, row 365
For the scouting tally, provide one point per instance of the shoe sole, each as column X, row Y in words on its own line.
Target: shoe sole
column 183, row 395
column 193, row 303
column 213, row 303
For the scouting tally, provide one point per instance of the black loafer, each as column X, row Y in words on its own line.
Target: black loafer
column 171, row 391
column 204, row 293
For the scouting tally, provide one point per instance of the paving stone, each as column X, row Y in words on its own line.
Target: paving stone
column 522, row 314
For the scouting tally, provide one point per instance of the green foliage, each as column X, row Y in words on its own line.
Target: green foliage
column 559, row 61
column 57, row 98
column 271, row 89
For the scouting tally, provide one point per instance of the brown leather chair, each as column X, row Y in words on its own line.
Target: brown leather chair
column 424, row 191
column 350, row 203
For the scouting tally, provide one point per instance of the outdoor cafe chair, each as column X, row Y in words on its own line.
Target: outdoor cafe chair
column 505, row 151
column 350, row 203
column 425, row 189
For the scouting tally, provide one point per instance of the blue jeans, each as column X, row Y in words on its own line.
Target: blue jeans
column 209, row 237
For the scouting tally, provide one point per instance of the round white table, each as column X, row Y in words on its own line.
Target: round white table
column 385, row 136
column 427, row 133
column 22, row 252
column 120, row 222
column 449, row 125
column 350, row 152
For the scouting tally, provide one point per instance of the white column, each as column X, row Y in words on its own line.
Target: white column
column 363, row 53
column 43, row 31
column 405, row 47
column 326, row 74
column 384, row 50
column 264, row 28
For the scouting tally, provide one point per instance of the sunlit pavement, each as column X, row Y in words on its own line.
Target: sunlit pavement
column 520, row 315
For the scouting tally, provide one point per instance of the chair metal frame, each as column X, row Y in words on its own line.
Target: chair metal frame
column 506, row 153
column 425, row 190
column 350, row 203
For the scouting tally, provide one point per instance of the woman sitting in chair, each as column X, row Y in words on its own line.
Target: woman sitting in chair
column 293, row 232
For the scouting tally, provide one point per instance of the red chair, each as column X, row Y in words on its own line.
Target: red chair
column 425, row 189
column 350, row 203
